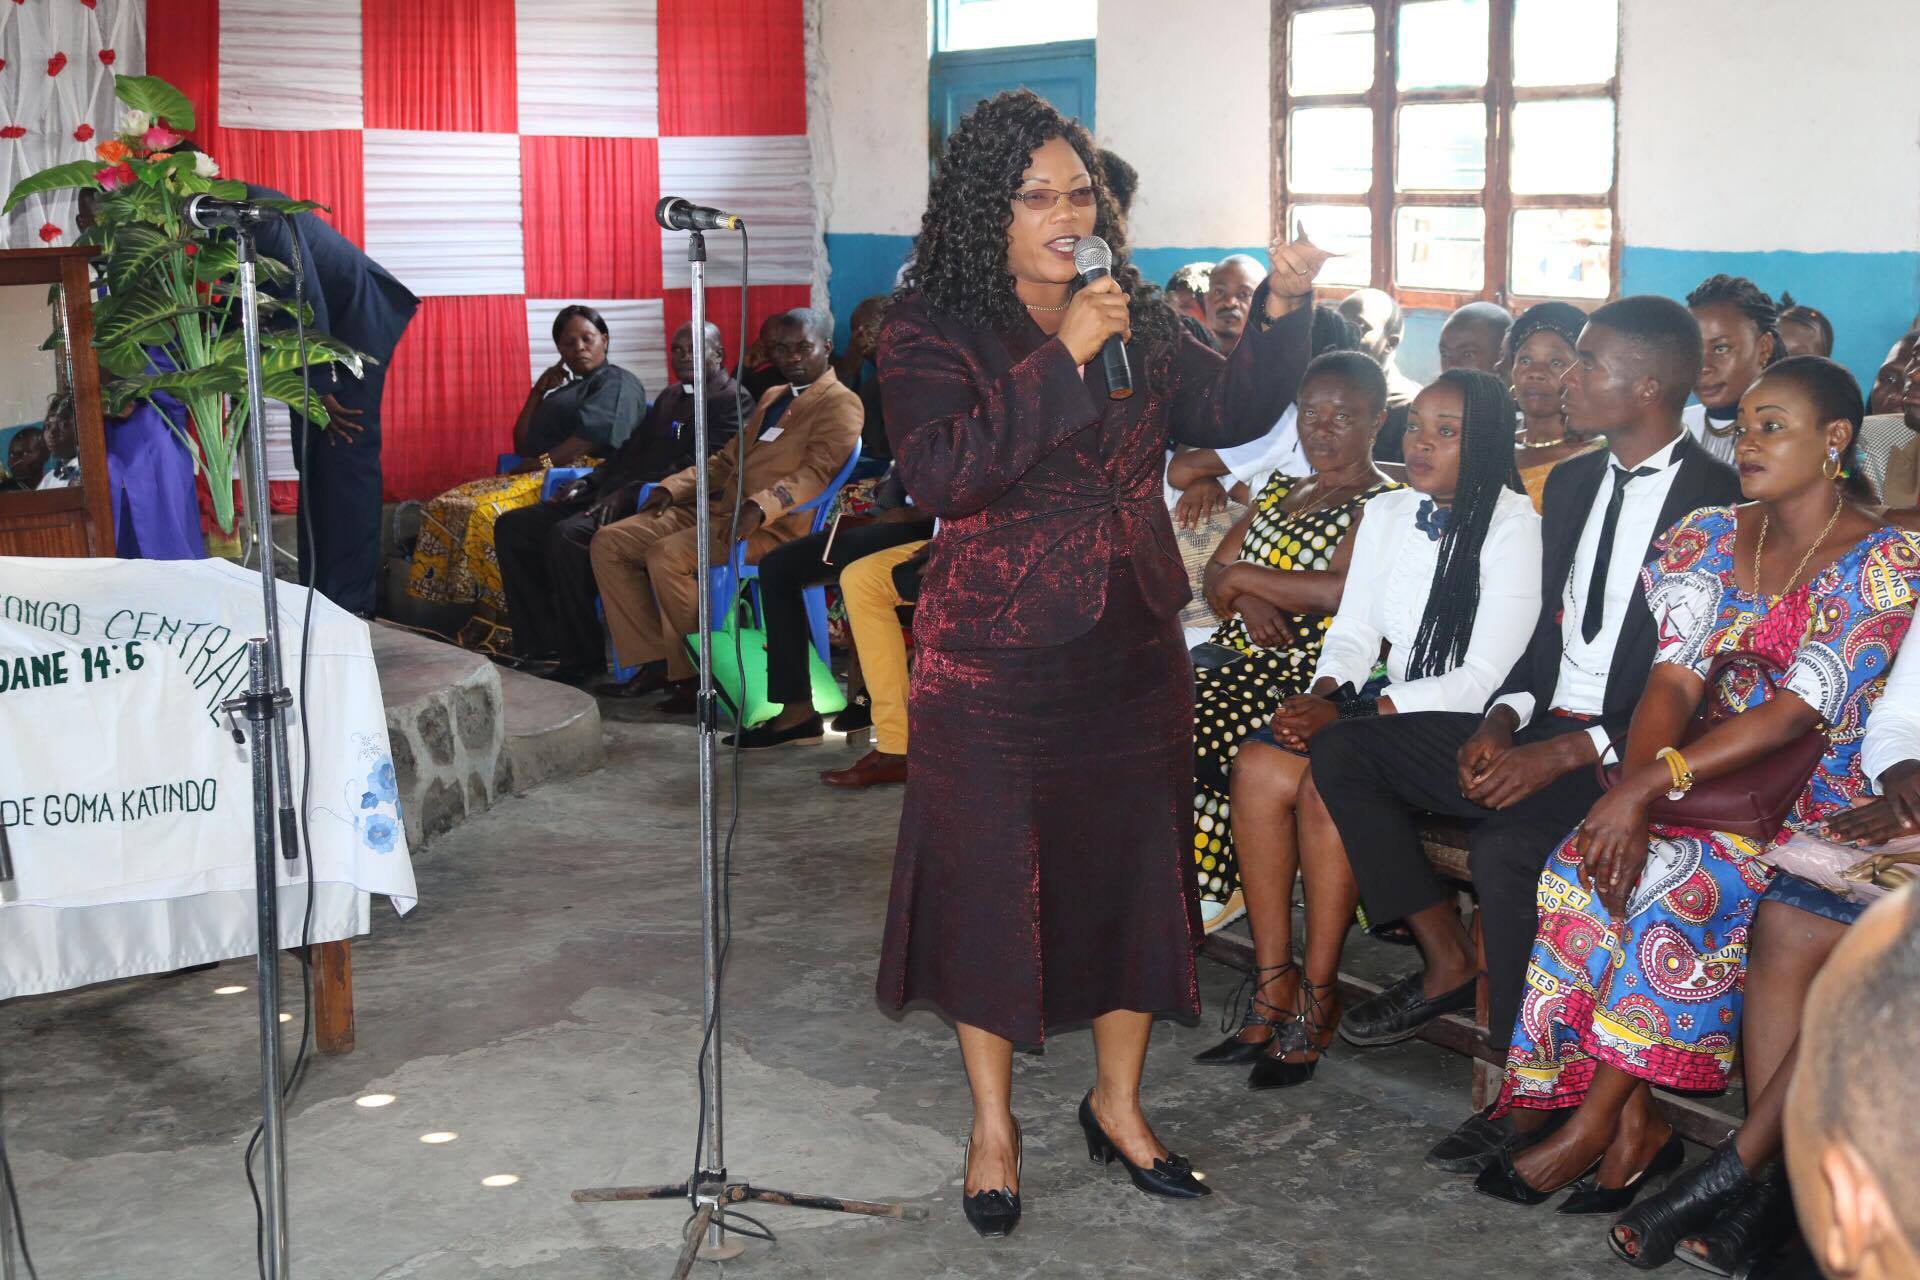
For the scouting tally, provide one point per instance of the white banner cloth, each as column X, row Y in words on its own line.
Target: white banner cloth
column 126, row 802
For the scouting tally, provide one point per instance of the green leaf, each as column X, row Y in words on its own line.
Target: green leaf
column 141, row 318
column 228, row 189
column 62, row 177
column 287, row 387
column 157, row 98
column 296, row 206
column 138, row 249
column 124, row 359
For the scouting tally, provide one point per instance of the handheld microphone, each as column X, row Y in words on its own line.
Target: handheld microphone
column 205, row 213
column 1094, row 261
column 677, row 214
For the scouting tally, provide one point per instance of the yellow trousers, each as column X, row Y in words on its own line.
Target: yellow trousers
column 866, row 586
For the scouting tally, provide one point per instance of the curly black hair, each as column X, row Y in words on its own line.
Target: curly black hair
column 959, row 259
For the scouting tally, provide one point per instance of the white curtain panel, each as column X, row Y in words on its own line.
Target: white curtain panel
column 636, row 336
column 443, row 210
column 59, row 59
column 768, row 181
column 588, row 68
column 290, row 64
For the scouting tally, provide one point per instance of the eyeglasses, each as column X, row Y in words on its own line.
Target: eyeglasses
column 1042, row 200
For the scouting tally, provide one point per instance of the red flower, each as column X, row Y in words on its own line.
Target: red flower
column 115, row 176
column 192, row 249
column 89, row 3
column 56, row 64
column 106, row 57
column 83, row 134
column 50, row 233
column 13, row 130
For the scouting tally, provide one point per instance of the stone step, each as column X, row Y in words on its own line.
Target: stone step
column 466, row 733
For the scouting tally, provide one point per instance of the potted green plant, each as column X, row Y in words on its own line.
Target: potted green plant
column 168, row 321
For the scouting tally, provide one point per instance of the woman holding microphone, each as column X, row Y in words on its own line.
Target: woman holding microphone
column 1042, row 878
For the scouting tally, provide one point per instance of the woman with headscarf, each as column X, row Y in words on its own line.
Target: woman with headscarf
column 575, row 414
column 1540, row 350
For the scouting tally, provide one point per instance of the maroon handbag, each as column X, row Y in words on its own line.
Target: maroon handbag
column 1754, row 801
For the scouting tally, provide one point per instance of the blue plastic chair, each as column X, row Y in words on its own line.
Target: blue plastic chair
column 736, row 576
column 505, row 462
column 559, row 478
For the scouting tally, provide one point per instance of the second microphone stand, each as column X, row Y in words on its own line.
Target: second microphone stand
column 709, row 1190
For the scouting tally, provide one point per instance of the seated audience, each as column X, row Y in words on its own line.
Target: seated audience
column 1540, row 350
column 545, row 571
column 762, row 374
column 799, row 436
column 576, row 413
column 1740, row 337
column 27, row 457
column 1889, row 453
column 1890, row 382
column 874, row 589
column 1473, row 337
column 1804, row 331
column 1446, row 576
column 1729, row 1212
column 1636, row 976
column 1230, row 287
column 1186, row 293
column 785, row 573
column 1851, row 1128
column 1377, row 321
column 858, row 373
column 62, row 439
column 1276, row 579
column 1525, row 768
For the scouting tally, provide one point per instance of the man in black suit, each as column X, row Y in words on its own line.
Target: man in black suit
column 361, row 303
column 1525, row 770
column 545, row 568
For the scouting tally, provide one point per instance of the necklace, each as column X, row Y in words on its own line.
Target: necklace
column 1760, row 544
column 1034, row 306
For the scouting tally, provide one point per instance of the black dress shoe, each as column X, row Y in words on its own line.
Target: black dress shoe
column 1172, row 1177
column 857, row 716
column 762, row 736
column 1400, row 1011
column 993, row 1213
column 683, row 698
column 1503, row 1182
column 1746, row 1233
column 1477, row 1142
column 651, row 678
column 1273, row 1071
column 1689, row 1203
column 1592, row 1198
column 1233, row 1051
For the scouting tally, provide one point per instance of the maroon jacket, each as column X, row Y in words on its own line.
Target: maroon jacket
column 991, row 432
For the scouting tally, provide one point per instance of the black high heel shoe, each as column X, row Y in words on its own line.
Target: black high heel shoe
column 1233, row 1051
column 1503, row 1182
column 1591, row 1197
column 1745, row 1232
column 1172, row 1177
column 1272, row 1070
column 993, row 1213
column 1689, row 1203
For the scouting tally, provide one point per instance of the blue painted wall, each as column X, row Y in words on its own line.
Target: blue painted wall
column 1870, row 297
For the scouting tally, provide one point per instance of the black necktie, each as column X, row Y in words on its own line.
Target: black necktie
column 1590, row 615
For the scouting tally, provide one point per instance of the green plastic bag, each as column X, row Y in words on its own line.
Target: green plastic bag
column 750, row 695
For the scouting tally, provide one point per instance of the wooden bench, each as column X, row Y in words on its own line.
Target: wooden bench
column 1446, row 846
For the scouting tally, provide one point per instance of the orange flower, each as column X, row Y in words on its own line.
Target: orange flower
column 113, row 151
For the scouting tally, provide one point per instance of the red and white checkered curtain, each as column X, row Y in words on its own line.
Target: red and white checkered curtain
column 57, row 59
column 503, row 160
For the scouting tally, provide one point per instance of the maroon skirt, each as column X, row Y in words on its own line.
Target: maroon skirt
column 1041, row 877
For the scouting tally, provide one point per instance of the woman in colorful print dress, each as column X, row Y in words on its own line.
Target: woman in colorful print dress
column 1638, row 966
column 1276, row 578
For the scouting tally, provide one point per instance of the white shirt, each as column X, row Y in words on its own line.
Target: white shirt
column 1388, row 581
column 1278, row 450
column 1893, row 727
column 1582, row 683
column 1694, row 418
column 1880, row 435
column 61, row 473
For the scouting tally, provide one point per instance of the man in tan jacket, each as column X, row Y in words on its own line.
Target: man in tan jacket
column 801, row 435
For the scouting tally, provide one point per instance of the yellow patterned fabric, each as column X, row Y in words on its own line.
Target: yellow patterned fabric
column 455, row 562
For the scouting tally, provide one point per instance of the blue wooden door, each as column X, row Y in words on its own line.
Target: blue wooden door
column 1061, row 73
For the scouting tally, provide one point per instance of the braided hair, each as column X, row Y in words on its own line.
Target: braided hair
column 1750, row 300
column 1486, row 468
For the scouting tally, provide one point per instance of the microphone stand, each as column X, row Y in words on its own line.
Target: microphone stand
column 264, row 707
column 709, row 1190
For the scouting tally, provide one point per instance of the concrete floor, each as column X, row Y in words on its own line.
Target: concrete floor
column 543, row 1003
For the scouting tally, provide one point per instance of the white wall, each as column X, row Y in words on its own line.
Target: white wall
column 27, row 375
column 1181, row 93
column 873, row 108
column 1761, row 125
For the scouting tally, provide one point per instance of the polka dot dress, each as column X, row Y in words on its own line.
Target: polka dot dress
column 1234, row 700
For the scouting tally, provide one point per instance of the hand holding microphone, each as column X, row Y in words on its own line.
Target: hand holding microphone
column 1098, row 318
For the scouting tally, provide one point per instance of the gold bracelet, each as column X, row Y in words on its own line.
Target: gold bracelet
column 1677, row 767
column 546, row 461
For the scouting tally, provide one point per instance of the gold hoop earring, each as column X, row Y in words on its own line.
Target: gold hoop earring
column 1831, row 467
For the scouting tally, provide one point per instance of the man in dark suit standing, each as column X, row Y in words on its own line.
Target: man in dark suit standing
column 357, row 301
column 1525, row 770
